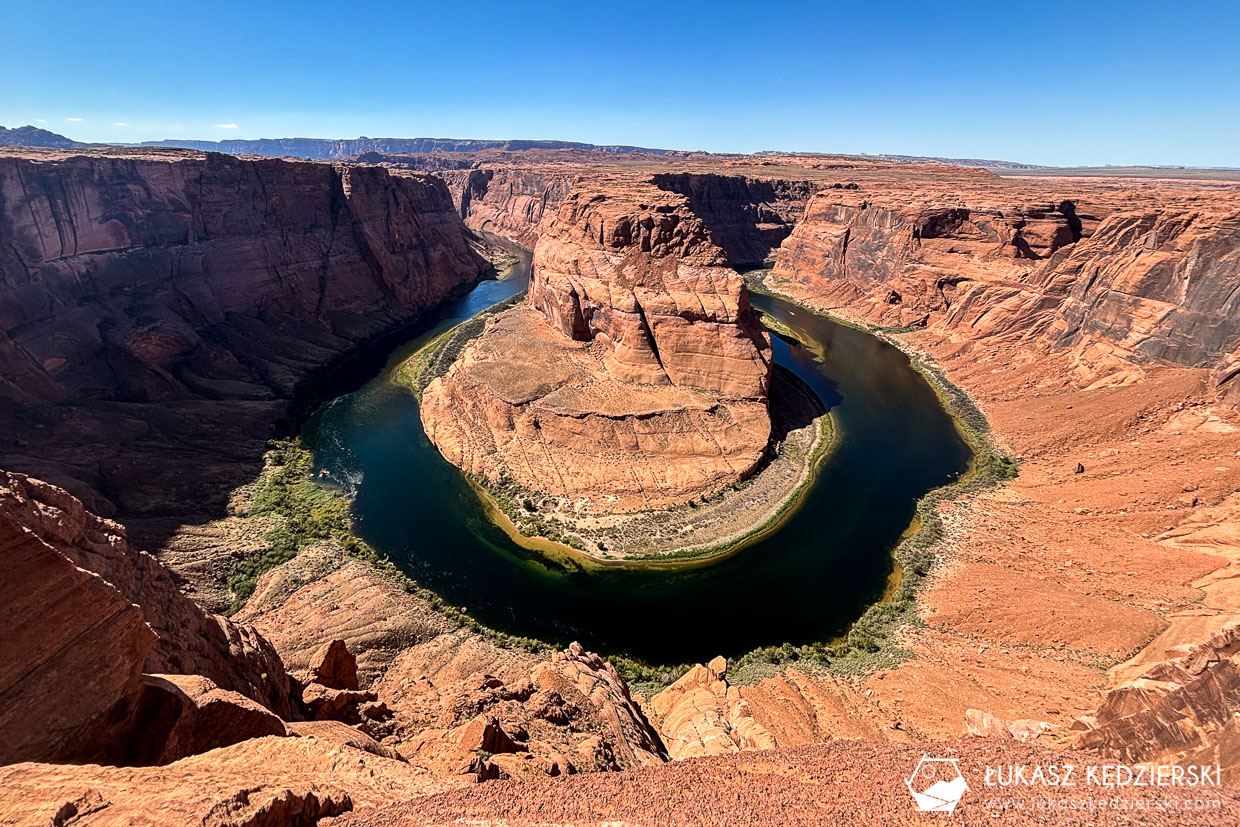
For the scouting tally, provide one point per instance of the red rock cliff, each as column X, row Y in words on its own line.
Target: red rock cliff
column 1129, row 278
column 635, row 377
column 163, row 304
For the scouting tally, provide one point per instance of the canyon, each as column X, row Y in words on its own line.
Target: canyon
column 163, row 312
column 636, row 349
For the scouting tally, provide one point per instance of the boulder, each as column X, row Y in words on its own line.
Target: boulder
column 339, row 734
column 184, row 715
column 327, row 704
column 334, row 666
column 984, row 725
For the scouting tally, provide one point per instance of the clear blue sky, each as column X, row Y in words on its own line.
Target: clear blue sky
column 1055, row 83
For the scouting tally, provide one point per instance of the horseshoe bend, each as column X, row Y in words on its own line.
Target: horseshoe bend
column 391, row 481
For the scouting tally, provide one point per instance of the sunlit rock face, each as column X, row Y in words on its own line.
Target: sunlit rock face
column 636, row 375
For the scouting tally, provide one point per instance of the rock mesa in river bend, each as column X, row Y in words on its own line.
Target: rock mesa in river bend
column 636, row 374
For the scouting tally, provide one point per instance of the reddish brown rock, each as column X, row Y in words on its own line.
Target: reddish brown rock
column 700, row 714
column 327, row 704
column 71, row 652
column 184, row 715
column 1180, row 710
column 143, row 287
column 510, row 201
column 190, row 641
column 636, row 378
column 335, row 734
column 257, row 783
column 984, row 725
column 334, row 666
column 569, row 713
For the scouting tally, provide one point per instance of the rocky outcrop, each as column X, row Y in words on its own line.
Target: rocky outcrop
column 571, row 713
column 184, row 715
column 295, row 781
column 85, row 616
column 163, row 308
column 334, row 666
column 1178, row 711
column 700, row 714
column 1161, row 286
column 510, row 201
column 898, row 261
column 1123, row 280
column 635, row 377
column 187, row 640
column 72, row 653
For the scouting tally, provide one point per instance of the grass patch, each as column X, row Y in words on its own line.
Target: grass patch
column 302, row 512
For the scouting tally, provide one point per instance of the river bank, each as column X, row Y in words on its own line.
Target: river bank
column 695, row 533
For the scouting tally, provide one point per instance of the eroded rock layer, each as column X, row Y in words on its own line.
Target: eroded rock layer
column 635, row 377
column 1118, row 278
column 158, row 305
column 85, row 615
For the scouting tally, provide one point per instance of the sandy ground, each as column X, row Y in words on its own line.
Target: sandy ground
column 840, row 783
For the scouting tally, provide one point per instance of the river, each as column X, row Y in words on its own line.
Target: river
column 805, row 582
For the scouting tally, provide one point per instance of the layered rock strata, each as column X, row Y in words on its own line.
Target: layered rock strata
column 635, row 377
column 1118, row 281
column 85, row 616
column 160, row 309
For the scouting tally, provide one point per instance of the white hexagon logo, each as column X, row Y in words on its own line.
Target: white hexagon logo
column 936, row 784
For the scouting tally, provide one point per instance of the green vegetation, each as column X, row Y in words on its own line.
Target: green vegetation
column 301, row 512
column 434, row 358
column 869, row 644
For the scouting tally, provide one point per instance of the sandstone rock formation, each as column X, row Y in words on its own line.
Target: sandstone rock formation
column 700, row 714
column 1092, row 321
column 747, row 216
column 184, row 715
column 334, row 666
column 839, row 782
column 86, row 615
column 1178, row 711
column 510, row 201
column 635, row 378
column 162, row 308
column 257, row 783
column 1118, row 278
column 570, row 714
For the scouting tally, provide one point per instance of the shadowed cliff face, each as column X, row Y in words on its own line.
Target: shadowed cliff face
column 747, row 217
column 159, row 305
column 84, row 616
column 511, row 202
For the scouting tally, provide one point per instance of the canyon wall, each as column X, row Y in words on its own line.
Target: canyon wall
column 86, row 617
column 162, row 305
column 1117, row 281
column 748, row 217
column 637, row 350
column 509, row 201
